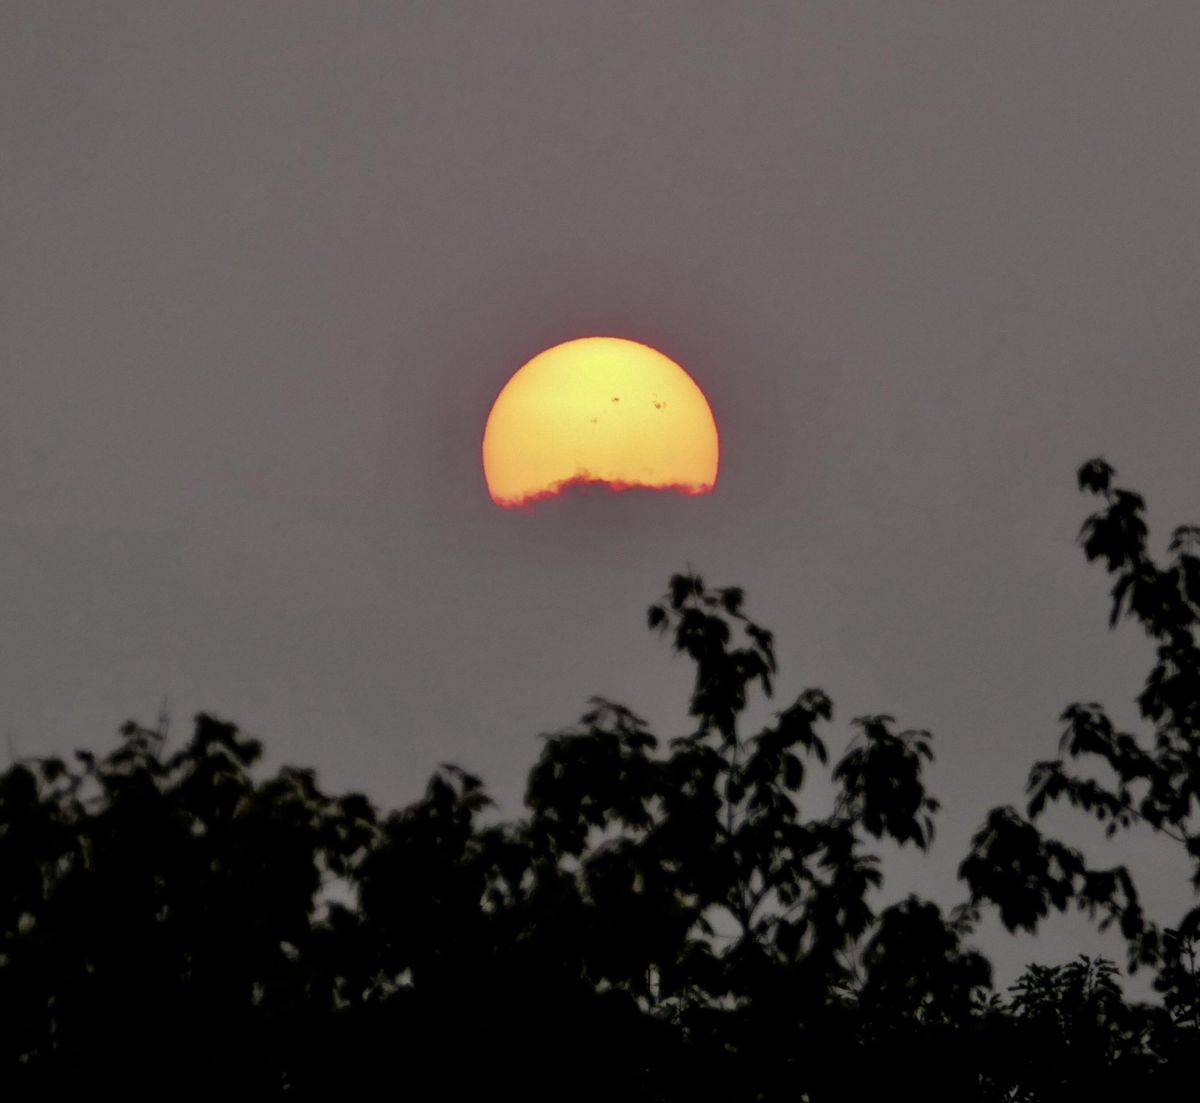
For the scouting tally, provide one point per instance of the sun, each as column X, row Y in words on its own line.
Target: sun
column 599, row 410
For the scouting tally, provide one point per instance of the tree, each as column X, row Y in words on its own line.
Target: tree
column 159, row 917
column 666, row 921
column 1153, row 782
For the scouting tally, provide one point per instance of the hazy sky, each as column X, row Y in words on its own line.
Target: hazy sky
column 266, row 266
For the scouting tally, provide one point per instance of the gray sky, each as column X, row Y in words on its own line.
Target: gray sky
column 266, row 266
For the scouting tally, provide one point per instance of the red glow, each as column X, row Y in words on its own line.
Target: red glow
column 584, row 483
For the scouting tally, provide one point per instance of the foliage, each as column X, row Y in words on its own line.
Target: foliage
column 669, row 919
column 1150, row 782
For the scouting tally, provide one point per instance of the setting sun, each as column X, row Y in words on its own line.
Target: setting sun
column 599, row 410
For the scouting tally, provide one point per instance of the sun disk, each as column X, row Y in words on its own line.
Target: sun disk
column 599, row 410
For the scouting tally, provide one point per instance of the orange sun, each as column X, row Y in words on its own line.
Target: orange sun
column 599, row 410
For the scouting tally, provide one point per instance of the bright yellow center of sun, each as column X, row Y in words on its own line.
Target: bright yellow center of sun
column 599, row 410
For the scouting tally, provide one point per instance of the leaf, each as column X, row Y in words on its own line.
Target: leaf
column 731, row 599
column 1096, row 475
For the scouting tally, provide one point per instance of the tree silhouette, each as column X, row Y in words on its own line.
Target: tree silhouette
column 1153, row 783
column 668, row 920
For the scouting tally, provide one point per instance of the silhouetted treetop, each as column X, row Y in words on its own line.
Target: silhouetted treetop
column 668, row 919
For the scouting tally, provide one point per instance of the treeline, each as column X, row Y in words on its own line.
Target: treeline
column 665, row 922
